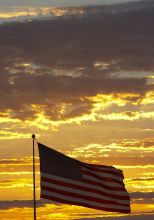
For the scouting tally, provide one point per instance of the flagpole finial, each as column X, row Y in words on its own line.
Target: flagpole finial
column 33, row 136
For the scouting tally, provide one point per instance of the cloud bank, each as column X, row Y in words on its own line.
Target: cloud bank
column 52, row 66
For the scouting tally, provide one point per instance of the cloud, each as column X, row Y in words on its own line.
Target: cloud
column 12, row 161
column 142, row 179
column 48, row 70
column 118, row 150
column 142, row 195
column 20, row 204
column 86, row 43
column 130, row 217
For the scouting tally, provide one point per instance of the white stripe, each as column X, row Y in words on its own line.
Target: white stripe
column 103, row 189
column 83, row 192
column 90, row 186
column 88, row 177
column 112, row 176
column 104, row 168
column 72, row 199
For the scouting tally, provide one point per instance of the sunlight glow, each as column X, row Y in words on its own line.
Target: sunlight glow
column 30, row 12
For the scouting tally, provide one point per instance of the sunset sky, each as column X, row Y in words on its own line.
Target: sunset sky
column 80, row 75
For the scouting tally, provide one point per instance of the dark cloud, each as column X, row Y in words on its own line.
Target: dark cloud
column 142, row 195
column 123, row 40
column 6, row 181
column 147, row 142
column 12, row 161
column 50, row 91
column 130, row 114
column 142, row 179
column 75, row 42
column 129, row 217
column 21, row 204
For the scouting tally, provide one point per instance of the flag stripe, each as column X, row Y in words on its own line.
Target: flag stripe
column 104, row 179
column 104, row 173
column 105, row 169
column 77, row 185
column 99, row 168
column 83, row 186
column 76, row 201
column 83, row 193
column 80, row 196
column 101, row 183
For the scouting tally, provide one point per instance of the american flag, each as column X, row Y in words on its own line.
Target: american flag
column 67, row 180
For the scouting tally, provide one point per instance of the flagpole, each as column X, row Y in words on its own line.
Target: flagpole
column 34, row 192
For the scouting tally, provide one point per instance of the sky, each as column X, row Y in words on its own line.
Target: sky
column 61, row 3
column 81, row 78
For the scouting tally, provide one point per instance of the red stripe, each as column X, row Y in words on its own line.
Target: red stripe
column 100, row 166
column 83, row 204
column 79, row 196
column 123, row 197
column 97, row 168
column 74, row 186
column 105, row 179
